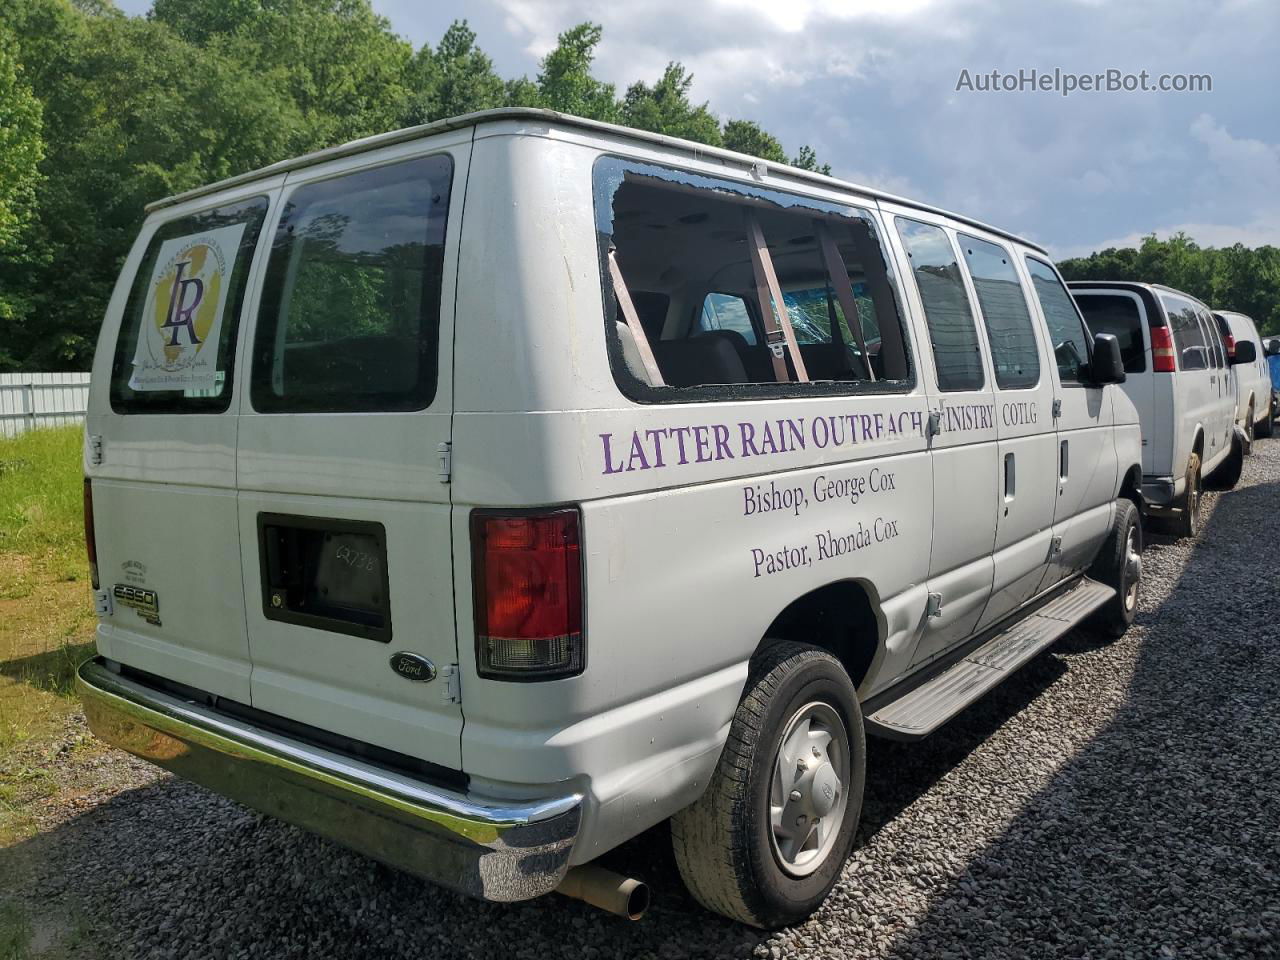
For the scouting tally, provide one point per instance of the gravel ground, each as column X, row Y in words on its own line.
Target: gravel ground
column 1109, row 801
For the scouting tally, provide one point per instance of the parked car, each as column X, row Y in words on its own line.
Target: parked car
column 482, row 494
column 1272, row 350
column 1254, row 409
column 1183, row 386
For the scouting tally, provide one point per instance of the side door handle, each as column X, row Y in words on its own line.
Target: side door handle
column 1010, row 478
column 1064, row 460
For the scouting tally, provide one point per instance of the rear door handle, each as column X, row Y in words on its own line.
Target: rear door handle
column 1010, row 477
column 1064, row 461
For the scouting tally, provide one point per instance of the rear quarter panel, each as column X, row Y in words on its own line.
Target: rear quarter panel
column 678, row 582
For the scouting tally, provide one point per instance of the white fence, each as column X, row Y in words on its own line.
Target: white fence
column 41, row 400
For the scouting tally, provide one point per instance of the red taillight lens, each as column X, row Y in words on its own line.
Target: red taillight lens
column 1162, row 360
column 527, row 576
column 1231, row 345
column 90, row 541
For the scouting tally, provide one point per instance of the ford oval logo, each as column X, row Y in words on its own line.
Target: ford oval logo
column 413, row 667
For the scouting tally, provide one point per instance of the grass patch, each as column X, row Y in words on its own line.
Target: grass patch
column 15, row 933
column 46, row 612
column 41, row 493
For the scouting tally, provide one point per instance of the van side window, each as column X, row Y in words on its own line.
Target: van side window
column 724, row 311
column 956, row 352
column 748, row 271
column 1004, row 310
column 1188, row 335
column 176, row 347
column 1213, row 337
column 1117, row 314
column 350, row 310
column 1067, row 334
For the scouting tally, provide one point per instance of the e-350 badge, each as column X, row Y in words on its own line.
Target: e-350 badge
column 145, row 602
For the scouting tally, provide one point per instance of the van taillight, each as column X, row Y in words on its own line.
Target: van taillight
column 527, row 580
column 90, row 541
column 1231, row 346
column 1162, row 351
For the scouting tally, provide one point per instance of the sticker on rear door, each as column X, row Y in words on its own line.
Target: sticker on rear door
column 182, row 318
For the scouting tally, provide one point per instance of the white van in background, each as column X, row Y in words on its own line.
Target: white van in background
column 483, row 494
column 1254, row 411
column 1180, row 379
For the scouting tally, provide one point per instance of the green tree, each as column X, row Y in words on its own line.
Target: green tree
column 665, row 108
column 565, row 82
column 747, row 136
column 198, row 21
column 455, row 78
column 807, row 159
column 131, row 113
column 21, row 150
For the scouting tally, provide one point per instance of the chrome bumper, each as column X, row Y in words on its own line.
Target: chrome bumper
column 488, row 848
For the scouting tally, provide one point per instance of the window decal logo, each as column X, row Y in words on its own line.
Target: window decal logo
column 181, row 320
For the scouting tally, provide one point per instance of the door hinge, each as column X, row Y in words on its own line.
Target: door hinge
column 95, row 450
column 1057, row 408
column 934, row 427
column 444, row 460
column 451, row 691
column 934, row 607
column 1055, row 547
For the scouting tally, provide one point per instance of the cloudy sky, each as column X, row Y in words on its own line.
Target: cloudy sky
column 872, row 86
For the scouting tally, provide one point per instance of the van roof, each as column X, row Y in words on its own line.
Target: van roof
column 675, row 144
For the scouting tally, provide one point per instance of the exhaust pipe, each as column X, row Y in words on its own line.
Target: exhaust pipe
column 621, row 896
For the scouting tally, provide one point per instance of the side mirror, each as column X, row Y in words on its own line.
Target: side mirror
column 1246, row 352
column 1107, row 365
column 1273, row 348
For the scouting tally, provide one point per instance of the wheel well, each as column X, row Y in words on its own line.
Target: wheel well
column 840, row 618
column 1131, row 489
column 1197, row 447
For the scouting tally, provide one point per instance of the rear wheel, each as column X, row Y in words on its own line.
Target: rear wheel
column 1265, row 425
column 764, row 845
column 1119, row 565
column 1188, row 522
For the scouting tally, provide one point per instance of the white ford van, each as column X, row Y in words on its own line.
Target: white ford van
column 1182, row 381
column 483, row 494
column 1254, row 411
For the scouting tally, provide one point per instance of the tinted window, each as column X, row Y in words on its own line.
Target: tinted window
column 1067, row 335
column 952, row 333
column 690, row 238
column 1004, row 310
column 724, row 311
column 351, row 304
column 1117, row 314
column 1188, row 335
column 177, row 337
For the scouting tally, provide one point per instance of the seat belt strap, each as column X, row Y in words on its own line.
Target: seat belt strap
column 633, row 323
column 779, row 334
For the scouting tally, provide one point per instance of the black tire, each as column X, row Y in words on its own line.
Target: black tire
column 724, row 843
column 1116, row 568
column 1227, row 473
column 1187, row 523
column 1265, row 427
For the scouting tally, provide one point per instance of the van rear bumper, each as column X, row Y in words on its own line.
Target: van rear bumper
column 485, row 847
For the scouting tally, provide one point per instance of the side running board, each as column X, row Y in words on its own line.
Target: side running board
column 920, row 710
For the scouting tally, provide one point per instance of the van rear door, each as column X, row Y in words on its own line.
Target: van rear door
column 343, row 508
column 162, row 423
